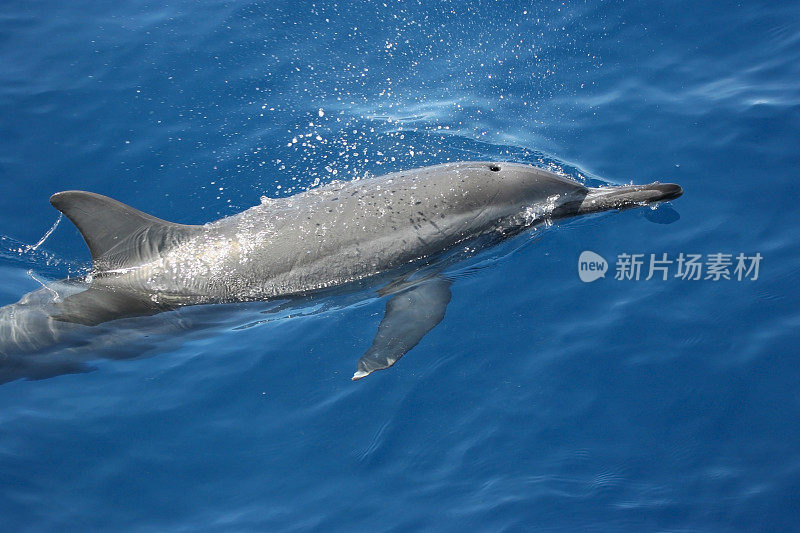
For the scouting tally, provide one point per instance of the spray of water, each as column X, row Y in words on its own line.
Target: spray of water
column 47, row 234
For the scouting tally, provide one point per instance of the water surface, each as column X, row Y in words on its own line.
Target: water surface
column 540, row 400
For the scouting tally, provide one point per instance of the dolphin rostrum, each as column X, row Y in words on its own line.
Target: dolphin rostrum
column 326, row 237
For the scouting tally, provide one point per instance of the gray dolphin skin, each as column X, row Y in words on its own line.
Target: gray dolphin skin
column 332, row 236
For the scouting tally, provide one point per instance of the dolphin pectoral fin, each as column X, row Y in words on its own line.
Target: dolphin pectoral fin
column 410, row 314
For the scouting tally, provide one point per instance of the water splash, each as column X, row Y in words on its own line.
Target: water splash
column 42, row 283
column 34, row 258
column 47, row 233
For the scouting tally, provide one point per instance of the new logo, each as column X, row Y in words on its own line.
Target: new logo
column 591, row 266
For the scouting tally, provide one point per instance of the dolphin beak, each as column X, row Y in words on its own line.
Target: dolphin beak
column 664, row 192
column 625, row 197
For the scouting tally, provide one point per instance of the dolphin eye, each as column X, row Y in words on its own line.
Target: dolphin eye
column 494, row 168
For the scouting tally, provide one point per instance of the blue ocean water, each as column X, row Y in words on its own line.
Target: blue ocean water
column 540, row 400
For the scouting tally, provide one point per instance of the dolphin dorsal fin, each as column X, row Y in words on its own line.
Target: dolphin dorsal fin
column 118, row 235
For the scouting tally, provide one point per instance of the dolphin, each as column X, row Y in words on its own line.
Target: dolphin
column 329, row 237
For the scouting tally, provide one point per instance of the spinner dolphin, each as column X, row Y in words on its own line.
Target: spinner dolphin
column 327, row 237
